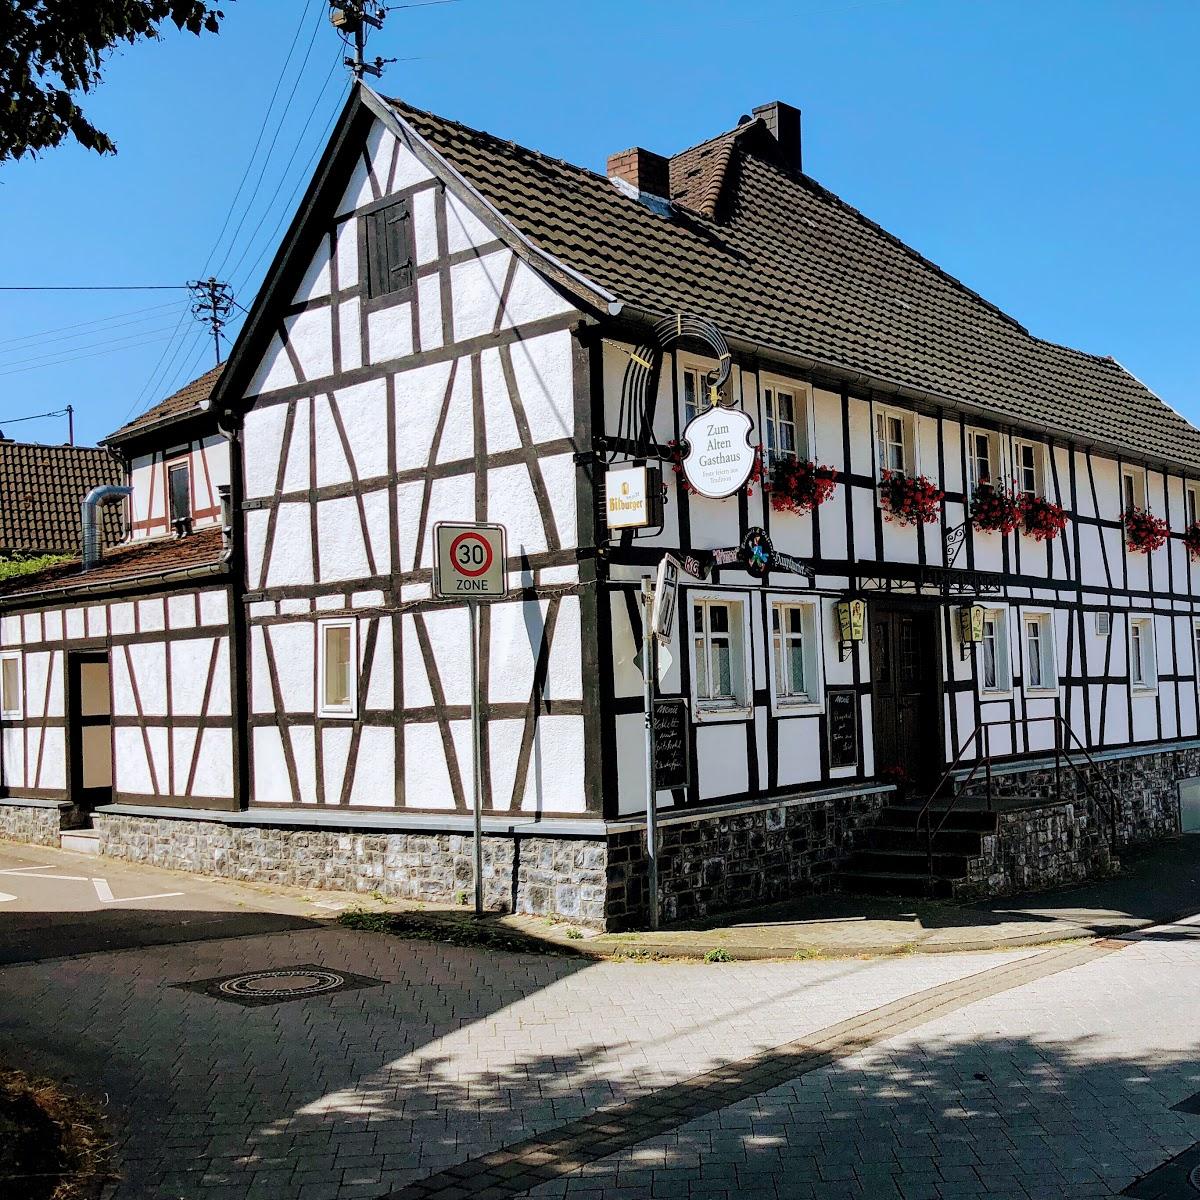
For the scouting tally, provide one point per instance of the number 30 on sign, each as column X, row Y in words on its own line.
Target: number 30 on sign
column 470, row 561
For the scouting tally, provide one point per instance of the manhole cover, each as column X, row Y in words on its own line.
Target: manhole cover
column 280, row 985
column 273, row 985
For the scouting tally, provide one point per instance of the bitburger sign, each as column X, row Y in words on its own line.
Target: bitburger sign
column 719, row 455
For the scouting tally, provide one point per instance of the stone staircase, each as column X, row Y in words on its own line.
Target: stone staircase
column 894, row 861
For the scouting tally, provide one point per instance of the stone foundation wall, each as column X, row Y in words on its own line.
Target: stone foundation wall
column 1057, row 843
column 726, row 862
column 543, row 876
column 38, row 825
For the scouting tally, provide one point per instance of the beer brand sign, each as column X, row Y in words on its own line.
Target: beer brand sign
column 719, row 456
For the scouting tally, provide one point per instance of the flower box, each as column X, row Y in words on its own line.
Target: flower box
column 1191, row 539
column 799, row 487
column 995, row 509
column 1144, row 531
column 909, row 499
column 1044, row 520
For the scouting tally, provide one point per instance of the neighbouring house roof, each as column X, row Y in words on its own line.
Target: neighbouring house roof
column 777, row 260
column 148, row 558
column 183, row 403
column 41, row 489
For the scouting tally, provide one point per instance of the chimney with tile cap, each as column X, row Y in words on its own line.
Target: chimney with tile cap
column 783, row 122
column 641, row 173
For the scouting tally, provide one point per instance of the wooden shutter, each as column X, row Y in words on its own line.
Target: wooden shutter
column 389, row 250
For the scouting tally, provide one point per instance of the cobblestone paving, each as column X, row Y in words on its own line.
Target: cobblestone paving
column 1060, row 1089
column 361, row 1093
column 1057, row 1087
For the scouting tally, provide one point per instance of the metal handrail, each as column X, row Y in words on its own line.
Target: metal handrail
column 1061, row 753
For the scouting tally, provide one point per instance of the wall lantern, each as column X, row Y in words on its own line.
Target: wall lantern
column 970, row 627
column 851, row 622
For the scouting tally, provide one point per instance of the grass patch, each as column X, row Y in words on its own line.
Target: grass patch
column 449, row 928
column 52, row 1145
column 718, row 954
column 806, row 952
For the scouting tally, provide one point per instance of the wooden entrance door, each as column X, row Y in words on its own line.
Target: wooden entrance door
column 90, row 728
column 906, row 688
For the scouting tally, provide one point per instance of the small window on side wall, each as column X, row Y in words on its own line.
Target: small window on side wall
column 697, row 396
column 337, row 668
column 983, row 458
column 1143, row 660
column 12, row 700
column 179, row 491
column 389, row 262
column 995, row 665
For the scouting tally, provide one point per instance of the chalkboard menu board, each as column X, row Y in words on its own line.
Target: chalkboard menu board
column 841, row 707
column 671, row 757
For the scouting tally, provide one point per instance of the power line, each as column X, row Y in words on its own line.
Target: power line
column 76, row 358
column 258, row 140
column 65, row 331
column 97, row 287
column 58, row 412
column 270, row 149
column 56, row 356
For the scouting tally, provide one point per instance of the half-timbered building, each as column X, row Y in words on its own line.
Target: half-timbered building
column 945, row 630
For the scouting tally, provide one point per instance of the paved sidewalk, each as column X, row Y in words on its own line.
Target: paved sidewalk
column 1156, row 885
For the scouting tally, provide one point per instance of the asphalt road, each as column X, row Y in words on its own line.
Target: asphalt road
column 55, row 903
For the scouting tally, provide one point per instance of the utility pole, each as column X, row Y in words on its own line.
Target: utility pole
column 212, row 302
column 351, row 19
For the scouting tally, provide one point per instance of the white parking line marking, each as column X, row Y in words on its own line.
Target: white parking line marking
column 19, row 870
column 105, row 896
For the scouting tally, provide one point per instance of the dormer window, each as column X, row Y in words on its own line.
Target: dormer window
column 389, row 250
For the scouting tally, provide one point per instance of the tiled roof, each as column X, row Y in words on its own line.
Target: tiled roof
column 792, row 267
column 41, row 488
column 150, row 557
column 180, row 404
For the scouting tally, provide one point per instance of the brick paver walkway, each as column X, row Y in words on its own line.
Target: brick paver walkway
column 1014, row 1072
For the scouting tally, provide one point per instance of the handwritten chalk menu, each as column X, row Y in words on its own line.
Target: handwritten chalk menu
column 671, row 743
column 841, row 707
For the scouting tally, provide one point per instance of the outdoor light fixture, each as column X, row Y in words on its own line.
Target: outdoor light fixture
column 851, row 622
column 970, row 628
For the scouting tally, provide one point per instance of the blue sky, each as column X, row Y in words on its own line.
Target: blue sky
column 1044, row 153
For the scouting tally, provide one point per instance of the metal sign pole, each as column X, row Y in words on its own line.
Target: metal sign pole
column 648, row 674
column 477, row 757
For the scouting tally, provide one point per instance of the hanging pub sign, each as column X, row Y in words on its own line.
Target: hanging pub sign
column 756, row 555
column 756, row 552
column 719, row 456
column 633, row 497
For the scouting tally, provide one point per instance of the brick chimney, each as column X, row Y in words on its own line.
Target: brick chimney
column 783, row 121
column 641, row 173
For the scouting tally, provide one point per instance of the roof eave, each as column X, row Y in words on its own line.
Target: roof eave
column 79, row 586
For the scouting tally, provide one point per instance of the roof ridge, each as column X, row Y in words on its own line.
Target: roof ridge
column 12, row 443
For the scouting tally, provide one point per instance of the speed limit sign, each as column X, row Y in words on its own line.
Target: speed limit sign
column 470, row 561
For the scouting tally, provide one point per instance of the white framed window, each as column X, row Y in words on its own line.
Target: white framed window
column 337, row 667
column 12, row 686
column 786, row 409
column 995, row 672
column 1143, row 658
column 694, row 387
column 720, row 658
column 1133, row 488
column 895, row 441
column 1041, row 664
column 796, row 657
column 1191, row 499
column 1029, row 468
column 983, row 458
